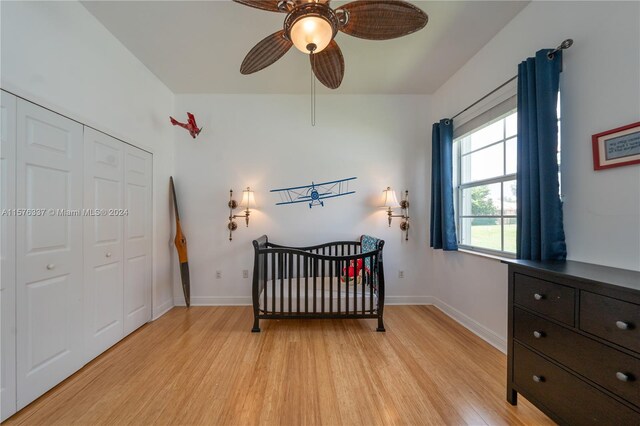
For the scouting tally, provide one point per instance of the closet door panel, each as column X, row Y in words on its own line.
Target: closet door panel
column 49, row 250
column 137, row 238
column 103, row 242
column 7, row 255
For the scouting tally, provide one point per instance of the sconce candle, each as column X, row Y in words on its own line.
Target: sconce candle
column 390, row 202
column 248, row 202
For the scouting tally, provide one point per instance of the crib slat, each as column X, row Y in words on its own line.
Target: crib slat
column 355, row 289
column 331, row 286
column 355, row 284
column 306, row 284
column 344, row 272
column 345, row 275
column 322, row 277
column 273, row 282
column 298, row 283
column 322, row 284
column 343, row 265
column 280, row 273
column 315, row 276
column 348, row 301
column 290, row 273
column 364, row 278
column 338, row 272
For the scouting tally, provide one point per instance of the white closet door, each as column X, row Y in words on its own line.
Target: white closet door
column 49, row 250
column 137, row 238
column 8, row 256
column 103, row 241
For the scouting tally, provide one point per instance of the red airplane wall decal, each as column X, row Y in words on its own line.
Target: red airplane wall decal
column 190, row 125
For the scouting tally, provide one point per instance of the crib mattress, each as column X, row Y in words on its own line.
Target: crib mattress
column 331, row 298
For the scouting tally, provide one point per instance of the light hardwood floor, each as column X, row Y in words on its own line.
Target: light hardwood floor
column 203, row 366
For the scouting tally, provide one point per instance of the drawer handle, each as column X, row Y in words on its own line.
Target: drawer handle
column 538, row 379
column 108, row 254
column 623, row 325
column 624, row 377
column 50, row 266
column 538, row 334
column 538, row 296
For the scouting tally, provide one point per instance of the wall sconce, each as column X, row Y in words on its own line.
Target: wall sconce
column 248, row 201
column 391, row 202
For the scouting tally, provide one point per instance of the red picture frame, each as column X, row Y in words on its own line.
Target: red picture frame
column 616, row 147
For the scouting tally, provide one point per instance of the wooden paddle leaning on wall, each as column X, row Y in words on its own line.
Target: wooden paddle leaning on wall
column 181, row 246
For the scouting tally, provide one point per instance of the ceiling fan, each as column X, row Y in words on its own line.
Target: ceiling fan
column 311, row 26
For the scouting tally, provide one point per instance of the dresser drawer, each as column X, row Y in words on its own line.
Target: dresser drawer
column 553, row 300
column 613, row 370
column 611, row 319
column 571, row 399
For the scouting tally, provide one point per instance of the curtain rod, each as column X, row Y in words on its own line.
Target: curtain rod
column 564, row 45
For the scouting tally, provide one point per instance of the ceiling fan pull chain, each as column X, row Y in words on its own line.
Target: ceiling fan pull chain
column 313, row 94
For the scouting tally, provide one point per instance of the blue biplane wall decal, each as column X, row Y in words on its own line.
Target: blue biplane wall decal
column 315, row 193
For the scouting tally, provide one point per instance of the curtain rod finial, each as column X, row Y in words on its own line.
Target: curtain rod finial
column 566, row 44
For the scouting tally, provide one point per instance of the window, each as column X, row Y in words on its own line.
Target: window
column 484, row 173
column 485, row 185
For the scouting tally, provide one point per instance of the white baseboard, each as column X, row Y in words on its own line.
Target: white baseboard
column 472, row 325
column 162, row 309
column 216, row 301
column 409, row 300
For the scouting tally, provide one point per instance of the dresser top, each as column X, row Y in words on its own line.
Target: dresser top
column 584, row 271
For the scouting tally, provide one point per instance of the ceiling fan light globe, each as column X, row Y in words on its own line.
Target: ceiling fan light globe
column 311, row 30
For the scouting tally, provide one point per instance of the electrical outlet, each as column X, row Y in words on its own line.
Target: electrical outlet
column 245, row 273
column 218, row 274
column 400, row 274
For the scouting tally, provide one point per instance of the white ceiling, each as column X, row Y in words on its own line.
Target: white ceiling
column 198, row 46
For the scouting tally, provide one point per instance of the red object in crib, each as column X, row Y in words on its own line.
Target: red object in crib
column 190, row 125
column 353, row 271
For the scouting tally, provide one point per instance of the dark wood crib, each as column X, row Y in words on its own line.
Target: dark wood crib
column 334, row 280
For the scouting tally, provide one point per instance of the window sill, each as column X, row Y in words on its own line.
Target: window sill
column 487, row 255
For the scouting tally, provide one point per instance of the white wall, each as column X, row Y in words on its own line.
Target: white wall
column 58, row 55
column 600, row 90
column 267, row 142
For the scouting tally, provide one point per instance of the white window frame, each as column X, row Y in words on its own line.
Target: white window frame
column 460, row 187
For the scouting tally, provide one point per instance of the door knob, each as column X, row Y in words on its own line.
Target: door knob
column 538, row 296
column 50, row 266
column 538, row 334
column 108, row 254
column 538, row 379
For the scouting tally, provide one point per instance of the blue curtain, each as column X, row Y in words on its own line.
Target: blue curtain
column 443, row 226
column 540, row 230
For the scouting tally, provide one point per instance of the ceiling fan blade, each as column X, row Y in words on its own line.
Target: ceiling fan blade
column 270, row 5
column 328, row 65
column 265, row 53
column 382, row 19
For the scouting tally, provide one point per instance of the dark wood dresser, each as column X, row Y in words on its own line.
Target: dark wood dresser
column 574, row 341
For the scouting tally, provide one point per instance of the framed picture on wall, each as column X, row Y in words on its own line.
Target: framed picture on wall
column 616, row 147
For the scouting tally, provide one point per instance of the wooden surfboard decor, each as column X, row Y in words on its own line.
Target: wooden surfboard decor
column 181, row 246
